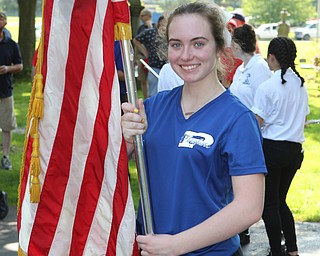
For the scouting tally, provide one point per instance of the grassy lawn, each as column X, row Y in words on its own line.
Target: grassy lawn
column 304, row 193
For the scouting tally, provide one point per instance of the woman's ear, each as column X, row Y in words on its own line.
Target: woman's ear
column 272, row 62
column 271, row 57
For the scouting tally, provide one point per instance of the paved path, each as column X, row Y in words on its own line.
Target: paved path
column 308, row 238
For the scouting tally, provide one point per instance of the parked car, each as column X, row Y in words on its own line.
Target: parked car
column 306, row 32
column 267, row 31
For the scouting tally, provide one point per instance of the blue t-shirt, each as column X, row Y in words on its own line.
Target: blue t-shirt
column 190, row 161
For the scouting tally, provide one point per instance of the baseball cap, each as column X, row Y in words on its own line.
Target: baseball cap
column 239, row 16
column 3, row 15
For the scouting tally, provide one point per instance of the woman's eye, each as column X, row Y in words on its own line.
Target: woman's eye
column 198, row 44
column 175, row 45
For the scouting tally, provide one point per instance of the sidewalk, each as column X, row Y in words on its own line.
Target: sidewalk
column 308, row 238
column 8, row 234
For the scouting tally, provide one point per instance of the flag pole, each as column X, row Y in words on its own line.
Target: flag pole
column 128, row 57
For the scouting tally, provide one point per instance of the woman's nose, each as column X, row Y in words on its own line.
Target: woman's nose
column 186, row 53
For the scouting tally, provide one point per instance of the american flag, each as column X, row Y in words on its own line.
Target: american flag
column 85, row 205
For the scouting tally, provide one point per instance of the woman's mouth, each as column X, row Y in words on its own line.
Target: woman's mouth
column 189, row 67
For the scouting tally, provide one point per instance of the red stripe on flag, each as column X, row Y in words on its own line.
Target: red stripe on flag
column 57, row 175
column 119, row 199
column 46, row 27
column 121, row 10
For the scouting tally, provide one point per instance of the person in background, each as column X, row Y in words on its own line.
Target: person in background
column 147, row 42
column 237, row 20
column 283, row 27
column 254, row 69
column 10, row 63
column 146, row 19
column 281, row 107
column 168, row 79
column 248, row 76
column 203, row 147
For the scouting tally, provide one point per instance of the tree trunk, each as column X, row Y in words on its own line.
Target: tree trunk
column 135, row 9
column 27, row 13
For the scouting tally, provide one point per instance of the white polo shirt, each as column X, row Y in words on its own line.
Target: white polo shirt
column 283, row 107
column 168, row 79
column 247, row 79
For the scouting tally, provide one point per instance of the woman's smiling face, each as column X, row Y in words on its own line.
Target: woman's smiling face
column 192, row 49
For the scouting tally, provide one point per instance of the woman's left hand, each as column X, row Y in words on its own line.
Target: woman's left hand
column 156, row 245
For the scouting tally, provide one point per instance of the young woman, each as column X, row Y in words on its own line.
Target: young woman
column 203, row 147
column 253, row 71
column 281, row 106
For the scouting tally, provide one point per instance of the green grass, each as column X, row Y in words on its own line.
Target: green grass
column 304, row 193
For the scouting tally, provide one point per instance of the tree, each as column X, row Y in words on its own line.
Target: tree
column 268, row 11
column 27, row 14
column 135, row 8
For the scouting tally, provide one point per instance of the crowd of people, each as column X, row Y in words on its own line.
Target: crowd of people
column 222, row 130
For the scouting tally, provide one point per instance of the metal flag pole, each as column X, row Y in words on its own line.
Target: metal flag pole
column 128, row 57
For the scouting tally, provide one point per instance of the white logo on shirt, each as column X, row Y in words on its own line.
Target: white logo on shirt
column 190, row 139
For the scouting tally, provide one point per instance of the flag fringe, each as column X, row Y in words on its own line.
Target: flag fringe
column 122, row 31
column 26, row 142
column 20, row 252
column 37, row 106
column 34, row 126
column 36, row 114
column 35, row 190
column 35, row 170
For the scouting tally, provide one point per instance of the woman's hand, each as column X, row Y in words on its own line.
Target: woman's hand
column 133, row 120
column 157, row 245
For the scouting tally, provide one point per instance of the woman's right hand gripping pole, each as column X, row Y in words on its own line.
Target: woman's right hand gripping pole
column 133, row 122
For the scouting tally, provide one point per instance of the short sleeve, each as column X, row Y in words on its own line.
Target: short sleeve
column 262, row 103
column 17, row 59
column 243, row 147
